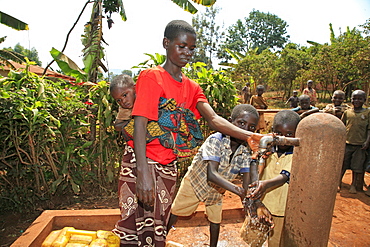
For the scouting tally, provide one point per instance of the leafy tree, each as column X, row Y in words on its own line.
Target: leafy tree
column 352, row 56
column 256, row 68
column 127, row 72
column 236, row 41
column 343, row 64
column 366, row 27
column 32, row 54
column 208, row 36
column 291, row 61
column 266, row 30
column 259, row 30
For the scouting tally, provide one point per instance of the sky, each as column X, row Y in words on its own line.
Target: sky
column 50, row 21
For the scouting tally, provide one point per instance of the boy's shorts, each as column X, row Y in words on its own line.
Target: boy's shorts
column 354, row 158
column 275, row 234
column 186, row 203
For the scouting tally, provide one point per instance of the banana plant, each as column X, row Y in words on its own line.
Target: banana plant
column 155, row 60
column 237, row 56
column 12, row 22
column 187, row 6
column 92, row 40
column 68, row 66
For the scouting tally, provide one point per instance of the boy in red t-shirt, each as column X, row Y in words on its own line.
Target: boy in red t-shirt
column 151, row 176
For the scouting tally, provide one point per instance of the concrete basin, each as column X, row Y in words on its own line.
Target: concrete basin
column 101, row 219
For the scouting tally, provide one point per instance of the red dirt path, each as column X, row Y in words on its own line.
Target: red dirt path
column 350, row 224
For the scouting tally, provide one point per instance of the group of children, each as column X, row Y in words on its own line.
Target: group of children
column 303, row 105
column 159, row 115
column 357, row 122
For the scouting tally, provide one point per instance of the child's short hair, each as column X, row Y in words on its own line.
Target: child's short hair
column 359, row 92
column 339, row 92
column 175, row 27
column 286, row 116
column 303, row 97
column 238, row 109
column 122, row 80
column 260, row 87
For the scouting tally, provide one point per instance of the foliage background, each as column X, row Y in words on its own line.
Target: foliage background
column 48, row 149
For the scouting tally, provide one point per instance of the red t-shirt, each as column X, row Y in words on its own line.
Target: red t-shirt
column 153, row 84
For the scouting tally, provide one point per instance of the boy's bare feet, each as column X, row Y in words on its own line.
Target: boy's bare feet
column 352, row 190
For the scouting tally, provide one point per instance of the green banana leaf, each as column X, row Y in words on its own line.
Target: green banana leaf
column 12, row 22
column 67, row 65
column 187, row 6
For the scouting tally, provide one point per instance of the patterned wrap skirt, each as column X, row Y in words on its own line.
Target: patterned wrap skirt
column 139, row 226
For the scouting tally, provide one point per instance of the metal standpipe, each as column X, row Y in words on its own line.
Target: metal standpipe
column 316, row 168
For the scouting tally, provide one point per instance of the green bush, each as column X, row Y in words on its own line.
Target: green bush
column 48, row 148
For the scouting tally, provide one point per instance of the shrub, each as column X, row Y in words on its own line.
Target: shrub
column 47, row 144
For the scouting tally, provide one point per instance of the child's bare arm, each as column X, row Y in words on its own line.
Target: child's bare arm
column 367, row 142
column 123, row 117
column 263, row 185
column 221, row 124
column 254, row 171
column 119, row 124
column 246, row 180
column 214, row 177
column 308, row 112
column 263, row 213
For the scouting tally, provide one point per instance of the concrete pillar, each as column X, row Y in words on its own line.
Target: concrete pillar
column 316, row 168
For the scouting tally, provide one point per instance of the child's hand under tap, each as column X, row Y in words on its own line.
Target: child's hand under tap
column 256, row 190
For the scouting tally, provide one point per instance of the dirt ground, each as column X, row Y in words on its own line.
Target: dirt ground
column 350, row 225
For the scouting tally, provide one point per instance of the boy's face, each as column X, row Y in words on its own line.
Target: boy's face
column 246, row 121
column 124, row 96
column 295, row 94
column 309, row 84
column 285, row 129
column 305, row 104
column 357, row 100
column 337, row 99
column 181, row 49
